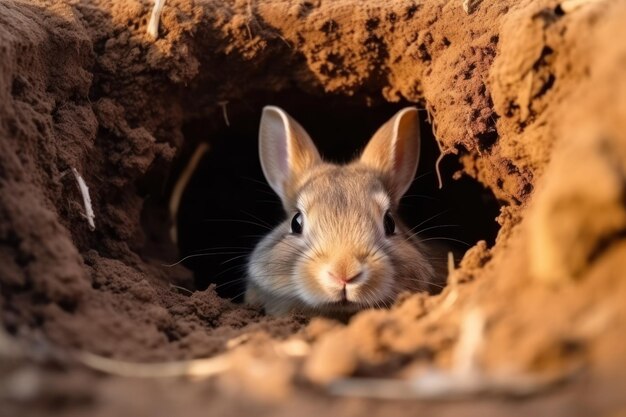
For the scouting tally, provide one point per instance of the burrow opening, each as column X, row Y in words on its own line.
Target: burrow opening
column 227, row 205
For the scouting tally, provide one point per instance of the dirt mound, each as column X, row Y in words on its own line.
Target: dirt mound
column 529, row 98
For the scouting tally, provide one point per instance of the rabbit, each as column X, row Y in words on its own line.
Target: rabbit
column 342, row 247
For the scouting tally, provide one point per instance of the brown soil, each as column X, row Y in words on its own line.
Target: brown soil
column 530, row 96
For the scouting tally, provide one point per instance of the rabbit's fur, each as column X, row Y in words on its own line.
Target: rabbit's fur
column 343, row 259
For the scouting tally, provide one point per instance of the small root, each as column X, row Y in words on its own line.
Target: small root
column 181, row 185
column 451, row 266
column 197, row 368
column 194, row 368
column 84, row 190
column 249, row 19
column 223, row 105
column 155, row 18
column 442, row 153
column 181, row 289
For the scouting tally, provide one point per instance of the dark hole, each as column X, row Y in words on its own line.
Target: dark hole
column 227, row 206
column 558, row 10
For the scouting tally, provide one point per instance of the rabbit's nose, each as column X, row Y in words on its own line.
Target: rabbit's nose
column 346, row 271
column 344, row 279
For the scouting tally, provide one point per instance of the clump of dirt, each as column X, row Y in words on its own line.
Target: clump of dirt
column 529, row 97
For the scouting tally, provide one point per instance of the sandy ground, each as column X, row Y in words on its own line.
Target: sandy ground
column 529, row 96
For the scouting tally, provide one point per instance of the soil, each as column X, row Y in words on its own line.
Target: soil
column 528, row 96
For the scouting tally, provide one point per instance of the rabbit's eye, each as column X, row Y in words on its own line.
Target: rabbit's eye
column 389, row 223
column 296, row 223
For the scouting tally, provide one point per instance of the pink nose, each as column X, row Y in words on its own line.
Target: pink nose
column 343, row 278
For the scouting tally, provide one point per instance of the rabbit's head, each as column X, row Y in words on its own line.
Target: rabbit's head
column 341, row 247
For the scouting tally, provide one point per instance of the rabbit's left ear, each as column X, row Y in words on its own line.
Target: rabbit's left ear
column 394, row 151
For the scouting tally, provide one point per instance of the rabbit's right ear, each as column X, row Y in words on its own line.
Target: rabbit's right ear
column 394, row 151
column 286, row 151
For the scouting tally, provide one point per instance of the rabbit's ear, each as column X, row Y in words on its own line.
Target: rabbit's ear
column 286, row 151
column 394, row 151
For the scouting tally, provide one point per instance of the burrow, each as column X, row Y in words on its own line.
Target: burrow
column 86, row 92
